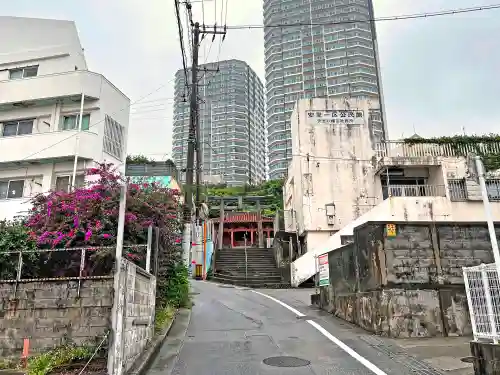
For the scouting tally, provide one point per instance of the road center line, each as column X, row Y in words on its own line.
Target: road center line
column 370, row 366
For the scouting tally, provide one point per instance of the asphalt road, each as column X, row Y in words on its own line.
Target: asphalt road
column 232, row 331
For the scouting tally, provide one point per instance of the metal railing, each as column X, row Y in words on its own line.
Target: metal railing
column 404, row 149
column 483, row 296
column 414, row 191
column 77, row 264
column 457, row 189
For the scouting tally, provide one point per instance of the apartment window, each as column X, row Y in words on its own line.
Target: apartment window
column 26, row 72
column 113, row 138
column 11, row 189
column 18, row 127
column 63, row 183
column 71, row 122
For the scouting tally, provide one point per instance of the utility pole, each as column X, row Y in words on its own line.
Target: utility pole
column 194, row 139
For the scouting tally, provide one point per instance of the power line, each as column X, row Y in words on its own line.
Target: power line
column 376, row 19
column 91, row 125
column 181, row 41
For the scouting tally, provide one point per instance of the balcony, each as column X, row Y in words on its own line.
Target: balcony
column 50, row 145
column 413, row 191
column 48, row 88
column 398, row 153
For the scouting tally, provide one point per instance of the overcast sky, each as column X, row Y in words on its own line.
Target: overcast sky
column 439, row 74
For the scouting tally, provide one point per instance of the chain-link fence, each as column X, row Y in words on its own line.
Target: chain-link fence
column 483, row 295
column 66, row 264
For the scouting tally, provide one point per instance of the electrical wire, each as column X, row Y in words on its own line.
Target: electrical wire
column 90, row 125
column 376, row 19
column 181, row 41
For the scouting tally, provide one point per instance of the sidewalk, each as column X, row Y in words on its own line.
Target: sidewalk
column 442, row 353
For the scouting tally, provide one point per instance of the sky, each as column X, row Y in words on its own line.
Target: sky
column 440, row 75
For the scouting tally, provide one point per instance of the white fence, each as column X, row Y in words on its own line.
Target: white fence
column 483, row 295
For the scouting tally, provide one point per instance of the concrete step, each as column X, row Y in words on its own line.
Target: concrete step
column 249, row 278
column 250, row 260
column 241, row 270
column 242, row 256
column 242, row 252
column 262, row 284
column 246, row 261
column 249, row 266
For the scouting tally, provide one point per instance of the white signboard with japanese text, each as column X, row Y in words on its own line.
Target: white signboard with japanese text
column 323, row 270
column 335, row 116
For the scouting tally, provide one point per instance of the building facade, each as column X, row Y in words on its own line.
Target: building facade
column 46, row 95
column 330, row 181
column 341, row 177
column 231, row 122
column 316, row 55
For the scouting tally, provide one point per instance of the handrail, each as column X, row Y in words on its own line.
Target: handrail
column 415, row 190
column 406, row 149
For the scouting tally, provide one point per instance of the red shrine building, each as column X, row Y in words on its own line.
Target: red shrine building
column 235, row 226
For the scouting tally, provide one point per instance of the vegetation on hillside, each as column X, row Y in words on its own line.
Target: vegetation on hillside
column 486, row 146
column 272, row 189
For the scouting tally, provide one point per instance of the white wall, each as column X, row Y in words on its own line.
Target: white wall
column 38, row 179
column 397, row 209
column 337, row 157
column 37, row 40
column 62, row 77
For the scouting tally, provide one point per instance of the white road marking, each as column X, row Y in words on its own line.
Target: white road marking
column 296, row 312
column 370, row 366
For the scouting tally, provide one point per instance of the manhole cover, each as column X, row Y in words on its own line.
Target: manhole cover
column 286, row 362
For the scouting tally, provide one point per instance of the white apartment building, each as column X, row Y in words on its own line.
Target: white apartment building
column 44, row 87
column 342, row 176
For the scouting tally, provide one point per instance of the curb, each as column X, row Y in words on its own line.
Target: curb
column 147, row 356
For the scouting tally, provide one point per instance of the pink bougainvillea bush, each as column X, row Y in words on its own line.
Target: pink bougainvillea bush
column 88, row 217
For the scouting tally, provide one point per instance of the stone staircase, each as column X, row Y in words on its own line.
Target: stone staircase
column 260, row 270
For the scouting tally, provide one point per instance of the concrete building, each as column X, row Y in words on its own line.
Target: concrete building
column 311, row 61
column 43, row 77
column 231, row 122
column 341, row 177
column 330, row 180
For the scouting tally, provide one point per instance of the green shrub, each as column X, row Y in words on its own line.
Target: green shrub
column 46, row 362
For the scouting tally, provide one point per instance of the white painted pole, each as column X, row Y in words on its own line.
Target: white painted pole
column 148, row 251
column 77, row 142
column 487, row 212
column 115, row 355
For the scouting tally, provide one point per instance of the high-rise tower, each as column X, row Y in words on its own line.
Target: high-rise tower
column 328, row 48
column 231, row 121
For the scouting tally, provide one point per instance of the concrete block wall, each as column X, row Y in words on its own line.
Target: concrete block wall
column 140, row 293
column 51, row 314
column 408, row 285
column 401, row 313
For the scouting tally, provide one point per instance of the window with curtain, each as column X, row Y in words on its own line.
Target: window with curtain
column 71, row 122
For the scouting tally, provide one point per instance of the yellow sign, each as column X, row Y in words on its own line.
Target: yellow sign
column 390, row 230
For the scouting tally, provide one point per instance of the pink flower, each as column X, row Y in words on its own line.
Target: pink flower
column 106, row 235
column 88, row 234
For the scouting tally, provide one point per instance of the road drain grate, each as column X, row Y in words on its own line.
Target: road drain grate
column 401, row 356
column 284, row 361
column 226, row 286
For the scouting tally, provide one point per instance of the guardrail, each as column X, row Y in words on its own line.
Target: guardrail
column 405, row 149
